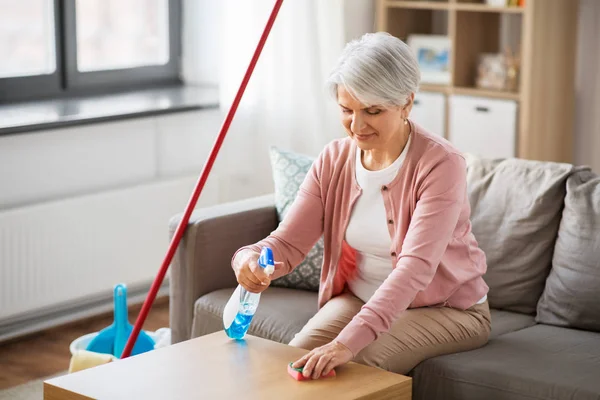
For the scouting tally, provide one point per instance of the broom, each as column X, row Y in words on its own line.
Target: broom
column 199, row 186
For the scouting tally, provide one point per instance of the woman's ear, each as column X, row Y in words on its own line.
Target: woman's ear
column 409, row 104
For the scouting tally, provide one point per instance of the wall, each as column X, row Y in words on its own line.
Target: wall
column 359, row 17
column 83, row 208
column 201, row 35
column 200, row 42
column 61, row 163
column 587, row 95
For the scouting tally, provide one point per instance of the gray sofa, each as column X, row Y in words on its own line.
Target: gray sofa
column 539, row 224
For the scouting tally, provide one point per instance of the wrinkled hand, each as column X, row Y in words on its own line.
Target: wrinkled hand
column 249, row 274
column 322, row 360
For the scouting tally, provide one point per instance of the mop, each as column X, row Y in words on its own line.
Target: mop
column 85, row 359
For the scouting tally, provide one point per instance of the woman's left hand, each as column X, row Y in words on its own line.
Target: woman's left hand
column 322, row 360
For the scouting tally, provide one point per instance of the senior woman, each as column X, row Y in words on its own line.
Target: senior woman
column 401, row 279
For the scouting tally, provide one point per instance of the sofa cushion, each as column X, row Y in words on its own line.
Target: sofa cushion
column 515, row 212
column 508, row 321
column 541, row 362
column 280, row 315
column 289, row 171
column 572, row 293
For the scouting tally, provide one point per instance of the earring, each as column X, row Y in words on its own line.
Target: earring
column 405, row 121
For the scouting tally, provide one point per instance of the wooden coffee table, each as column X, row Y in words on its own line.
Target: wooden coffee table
column 216, row 367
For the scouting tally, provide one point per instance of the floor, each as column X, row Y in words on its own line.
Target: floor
column 47, row 353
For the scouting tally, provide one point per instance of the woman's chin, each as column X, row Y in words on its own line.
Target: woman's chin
column 363, row 144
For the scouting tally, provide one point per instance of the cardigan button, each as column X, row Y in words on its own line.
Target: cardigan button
column 393, row 254
column 384, row 188
column 390, row 221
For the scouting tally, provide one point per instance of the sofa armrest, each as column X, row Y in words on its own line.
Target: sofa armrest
column 202, row 262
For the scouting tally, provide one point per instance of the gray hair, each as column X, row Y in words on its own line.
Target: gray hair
column 377, row 69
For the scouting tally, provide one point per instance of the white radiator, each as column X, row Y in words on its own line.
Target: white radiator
column 60, row 260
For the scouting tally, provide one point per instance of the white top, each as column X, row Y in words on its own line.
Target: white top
column 367, row 230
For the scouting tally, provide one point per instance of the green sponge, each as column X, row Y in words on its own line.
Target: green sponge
column 296, row 373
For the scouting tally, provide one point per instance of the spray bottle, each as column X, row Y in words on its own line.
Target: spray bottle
column 242, row 305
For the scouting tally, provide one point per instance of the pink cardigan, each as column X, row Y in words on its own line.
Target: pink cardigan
column 436, row 259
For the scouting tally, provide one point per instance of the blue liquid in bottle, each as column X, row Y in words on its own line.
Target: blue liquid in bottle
column 241, row 323
column 240, row 326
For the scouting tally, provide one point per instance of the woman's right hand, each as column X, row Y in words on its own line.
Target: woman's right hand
column 249, row 274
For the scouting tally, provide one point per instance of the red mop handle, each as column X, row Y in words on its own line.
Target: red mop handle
column 199, row 186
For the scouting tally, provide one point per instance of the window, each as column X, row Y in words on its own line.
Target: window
column 117, row 34
column 27, row 46
column 53, row 48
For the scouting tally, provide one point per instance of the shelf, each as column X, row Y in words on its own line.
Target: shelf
column 438, row 5
column 435, row 88
column 423, row 5
column 486, row 8
column 468, row 91
column 495, row 94
column 403, row 22
column 477, row 29
column 480, row 33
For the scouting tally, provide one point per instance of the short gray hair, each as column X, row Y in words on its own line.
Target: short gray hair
column 377, row 69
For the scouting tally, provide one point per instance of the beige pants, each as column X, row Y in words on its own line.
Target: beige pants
column 417, row 335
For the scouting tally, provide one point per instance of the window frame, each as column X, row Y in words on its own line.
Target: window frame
column 67, row 81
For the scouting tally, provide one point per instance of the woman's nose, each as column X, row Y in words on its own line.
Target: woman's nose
column 357, row 123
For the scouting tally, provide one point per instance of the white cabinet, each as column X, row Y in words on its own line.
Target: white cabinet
column 483, row 127
column 429, row 111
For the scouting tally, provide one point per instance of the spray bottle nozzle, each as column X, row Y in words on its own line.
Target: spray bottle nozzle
column 266, row 260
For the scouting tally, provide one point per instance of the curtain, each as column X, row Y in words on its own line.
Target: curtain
column 285, row 103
